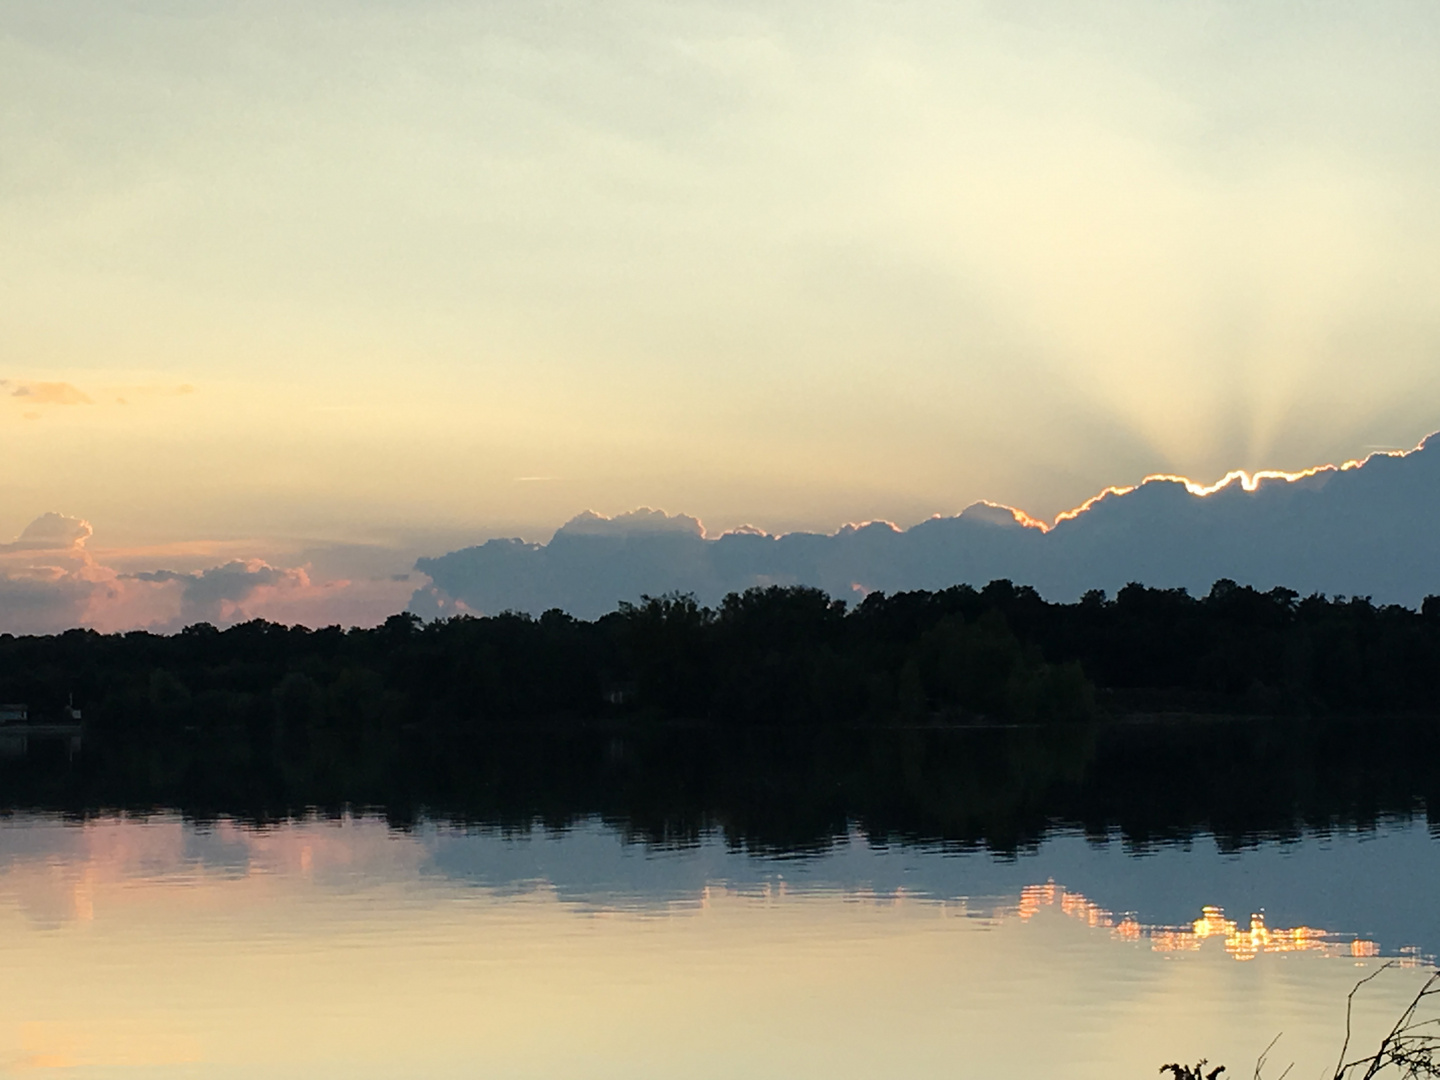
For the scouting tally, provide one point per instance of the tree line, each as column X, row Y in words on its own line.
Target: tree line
column 782, row 654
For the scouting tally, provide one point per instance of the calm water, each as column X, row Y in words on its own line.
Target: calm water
column 910, row 929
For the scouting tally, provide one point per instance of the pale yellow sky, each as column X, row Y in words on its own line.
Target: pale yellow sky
column 442, row 270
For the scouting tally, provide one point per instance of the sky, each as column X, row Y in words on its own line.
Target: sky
column 335, row 284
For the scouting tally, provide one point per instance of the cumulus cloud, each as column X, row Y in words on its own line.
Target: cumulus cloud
column 50, row 582
column 37, row 606
column 1370, row 528
column 222, row 594
column 46, row 575
column 590, row 564
column 51, row 532
column 641, row 522
column 51, row 546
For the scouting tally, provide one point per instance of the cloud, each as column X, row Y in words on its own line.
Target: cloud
column 34, row 605
column 50, row 582
column 29, row 394
column 46, row 575
column 591, row 563
column 1363, row 528
column 643, row 521
column 1367, row 528
column 221, row 594
column 51, row 532
column 49, row 393
column 253, row 589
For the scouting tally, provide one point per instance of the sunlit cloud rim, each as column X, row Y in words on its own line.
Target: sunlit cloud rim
column 1249, row 481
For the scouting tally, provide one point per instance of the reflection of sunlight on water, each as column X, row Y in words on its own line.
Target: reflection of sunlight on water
column 1242, row 944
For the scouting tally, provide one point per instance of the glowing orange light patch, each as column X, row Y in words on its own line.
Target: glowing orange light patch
column 1242, row 944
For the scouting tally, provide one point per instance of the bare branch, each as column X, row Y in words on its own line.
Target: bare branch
column 1409, row 1050
column 1340, row 1065
column 1411, row 1046
column 1265, row 1054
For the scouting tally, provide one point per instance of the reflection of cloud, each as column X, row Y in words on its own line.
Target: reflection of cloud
column 59, row 872
column 50, row 581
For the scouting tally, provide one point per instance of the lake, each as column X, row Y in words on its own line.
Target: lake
column 685, row 902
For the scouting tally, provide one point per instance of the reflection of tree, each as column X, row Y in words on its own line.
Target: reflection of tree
column 781, row 789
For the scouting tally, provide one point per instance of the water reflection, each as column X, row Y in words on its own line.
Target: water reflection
column 778, row 790
column 346, row 947
column 1211, row 926
column 54, row 867
column 692, row 902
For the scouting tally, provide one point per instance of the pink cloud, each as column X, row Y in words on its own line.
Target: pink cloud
column 50, row 582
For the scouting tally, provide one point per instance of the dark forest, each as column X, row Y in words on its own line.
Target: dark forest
column 779, row 655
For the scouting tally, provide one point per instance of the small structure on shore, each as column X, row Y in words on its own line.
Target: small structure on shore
column 19, row 730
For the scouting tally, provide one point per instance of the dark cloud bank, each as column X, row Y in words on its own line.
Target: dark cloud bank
column 1367, row 530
